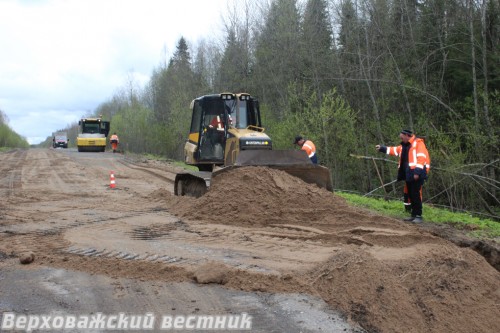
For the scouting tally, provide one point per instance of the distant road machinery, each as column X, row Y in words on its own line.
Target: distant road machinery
column 92, row 135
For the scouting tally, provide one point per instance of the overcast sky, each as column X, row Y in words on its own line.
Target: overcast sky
column 59, row 59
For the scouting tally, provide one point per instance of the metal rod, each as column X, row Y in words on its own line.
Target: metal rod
column 384, row 185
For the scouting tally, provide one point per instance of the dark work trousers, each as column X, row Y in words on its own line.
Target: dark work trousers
column 414, row 188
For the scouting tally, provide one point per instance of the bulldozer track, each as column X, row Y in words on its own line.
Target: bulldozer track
column 44, row 230
column 190, row 244
column 105, row 253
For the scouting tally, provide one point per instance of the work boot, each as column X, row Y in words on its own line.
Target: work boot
column 418, row 219
column 409, row 219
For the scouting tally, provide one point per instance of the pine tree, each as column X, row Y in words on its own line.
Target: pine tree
column 278, row 62
column 317, row 47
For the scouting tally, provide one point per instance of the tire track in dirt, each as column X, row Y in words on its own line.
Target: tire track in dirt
column 191, row 244
column 45, row 180
column 10, row 172
column 151, row 171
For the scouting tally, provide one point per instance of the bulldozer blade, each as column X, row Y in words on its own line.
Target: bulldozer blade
column 294, row 162
column 313, row 174
column 272, row 157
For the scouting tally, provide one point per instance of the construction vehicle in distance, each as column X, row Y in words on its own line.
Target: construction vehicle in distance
column 92, row 134
column 60, row 139
column 238, row 140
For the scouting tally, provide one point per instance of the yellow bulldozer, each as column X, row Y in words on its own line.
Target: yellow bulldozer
column 226, row 132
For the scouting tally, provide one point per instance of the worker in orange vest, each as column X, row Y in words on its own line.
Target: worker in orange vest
column 217, row 122
column 216, row 128
column 307, row 146
column 414, row 163
column 114, row 142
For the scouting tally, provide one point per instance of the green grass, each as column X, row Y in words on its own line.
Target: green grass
column 175, row 163
column 7, row 149
column 478, row 227
column 184, row 165
column 154, row 157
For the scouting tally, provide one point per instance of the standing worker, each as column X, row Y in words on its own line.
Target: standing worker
column 414, row 161
column 114, row 142
column 307, row 146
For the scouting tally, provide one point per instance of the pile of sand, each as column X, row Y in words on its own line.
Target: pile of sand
column 448, row 290
column 253, row 196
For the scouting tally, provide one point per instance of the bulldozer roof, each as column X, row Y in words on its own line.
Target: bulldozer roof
column 218, row 96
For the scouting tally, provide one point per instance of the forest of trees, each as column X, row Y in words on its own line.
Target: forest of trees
column 348, row 74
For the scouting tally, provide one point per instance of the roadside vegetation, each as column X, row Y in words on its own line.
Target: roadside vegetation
column 8, row 138
column 348, row 75
column 475, row 226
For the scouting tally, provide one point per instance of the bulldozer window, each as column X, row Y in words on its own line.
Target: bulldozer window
column 212, row 109
column 229, row 105
column 247, row 114
column 242, row 115
column 196, row 121
column 253, row 115
column 211, row 141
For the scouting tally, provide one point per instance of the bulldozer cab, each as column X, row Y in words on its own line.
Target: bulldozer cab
column 213, row 116
column 213, row 130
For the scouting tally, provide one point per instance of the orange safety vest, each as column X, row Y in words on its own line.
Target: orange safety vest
column 418, row 156
column 309, row 148
column 218, row 123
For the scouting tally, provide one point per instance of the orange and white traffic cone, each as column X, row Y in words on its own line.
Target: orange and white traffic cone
column 112, row 183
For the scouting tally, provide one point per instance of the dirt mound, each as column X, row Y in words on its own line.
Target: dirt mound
column 490, row 250
column 386, row 275
column 253, row 196
column 428, row 292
